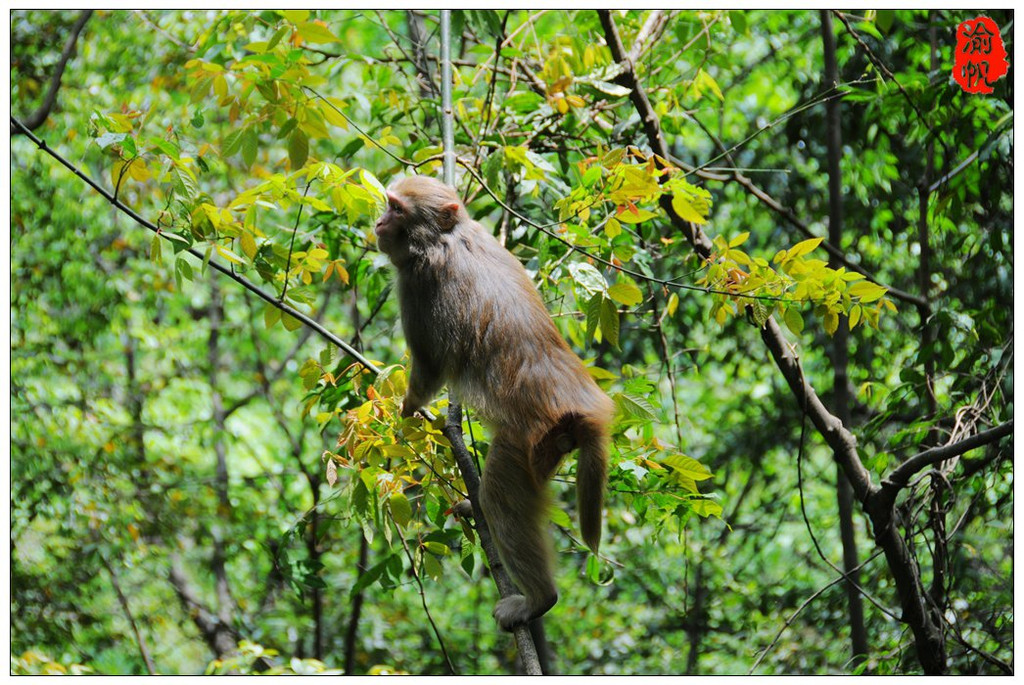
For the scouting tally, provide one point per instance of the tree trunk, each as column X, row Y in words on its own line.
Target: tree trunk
column 840, row 356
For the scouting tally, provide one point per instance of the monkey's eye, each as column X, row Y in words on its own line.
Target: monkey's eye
column 397, row 209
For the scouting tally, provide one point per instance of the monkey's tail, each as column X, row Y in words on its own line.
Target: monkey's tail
column 591, row 473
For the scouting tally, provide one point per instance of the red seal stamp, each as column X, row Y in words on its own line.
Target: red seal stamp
column 980, row 57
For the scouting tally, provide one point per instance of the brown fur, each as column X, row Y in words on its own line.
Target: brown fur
column 474, row 320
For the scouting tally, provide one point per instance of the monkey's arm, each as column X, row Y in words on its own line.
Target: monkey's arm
column 424, row 382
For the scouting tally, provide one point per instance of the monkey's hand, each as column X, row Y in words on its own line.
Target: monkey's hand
column 463, row 509
column 411, row 409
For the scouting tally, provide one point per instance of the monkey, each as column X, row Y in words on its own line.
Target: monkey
column 475, row 321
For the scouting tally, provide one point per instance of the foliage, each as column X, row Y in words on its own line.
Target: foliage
column 191, row 477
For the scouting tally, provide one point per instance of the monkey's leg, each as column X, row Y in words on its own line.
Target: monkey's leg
column 516, row 511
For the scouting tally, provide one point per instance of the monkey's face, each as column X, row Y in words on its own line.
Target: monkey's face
column 420, row 210
column 392, row 228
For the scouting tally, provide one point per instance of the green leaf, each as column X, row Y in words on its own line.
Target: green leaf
column 593, row 315
column 559, row 517
column 312, row 32
column 271, row 315
column 588, row 277
column 298, row 149
column 401, row 510
column 738, row 20
column 685, row 209
column 626, row 293
column 232, row 142
column 182, row 271
column 866, row 291
column 794, row 320
column 155, row 248
column 629, row 216
column 687, row 471
column 803, row 247
column 278, row 35
column 884, row 19
column 250, row 146
column 610, row 322
column 635, row 406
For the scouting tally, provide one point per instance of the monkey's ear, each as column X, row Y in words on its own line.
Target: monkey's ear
column 448, row 216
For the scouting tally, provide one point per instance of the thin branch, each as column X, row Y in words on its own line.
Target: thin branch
column 916, row 613
column 900, row 476
column 423, row 600
column 790, row 216
column 453, row 431
column 885, row 70
column 36, row 119
column 648, row 34
column 123, row 601
column 221, row 638
column 241, row 280
column 1001, row 127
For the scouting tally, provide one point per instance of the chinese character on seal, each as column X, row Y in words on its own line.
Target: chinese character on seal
column 980, row 57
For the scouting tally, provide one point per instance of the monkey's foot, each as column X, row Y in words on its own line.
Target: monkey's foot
column 512, row 612
column 516, row 610
column 463, row 509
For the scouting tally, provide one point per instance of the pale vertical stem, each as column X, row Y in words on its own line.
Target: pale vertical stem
column 447, row 115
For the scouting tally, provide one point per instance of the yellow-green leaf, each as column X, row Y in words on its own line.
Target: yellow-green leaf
column 229, row 255
column 271, row 315
column 298, row 149
column 626, row 293
column 687, row 471
column 401, row 510
column 155, row 248
column 312, row 32
column 705, row 508
column 295, row 16
column 685, row 209
column 867, row 291
column 803, row 247
column 854, row 316
column 559, row 517
column 673, row 304
column 438, row 548
column 248, row 244
column 613, row 228
column 740, row 239
column 794, row 320
column 831, row 322
column 628, row 216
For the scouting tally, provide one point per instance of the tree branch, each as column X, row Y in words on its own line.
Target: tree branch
column 927, row 633
column 241, row 280
column 652, row 29
column 901, row 475
column 221, row 638
column 123, row 601
column 36, row 119
column 453, row 431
